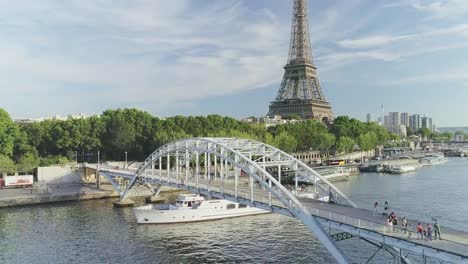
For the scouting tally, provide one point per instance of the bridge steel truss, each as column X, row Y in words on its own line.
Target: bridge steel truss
column 240, row 170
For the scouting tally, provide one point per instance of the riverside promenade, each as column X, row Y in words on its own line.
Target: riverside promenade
column 73, row 192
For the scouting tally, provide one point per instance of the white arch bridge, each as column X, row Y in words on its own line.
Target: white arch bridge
column 253, row 173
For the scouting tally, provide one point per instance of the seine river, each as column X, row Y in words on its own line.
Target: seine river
column 95, row 232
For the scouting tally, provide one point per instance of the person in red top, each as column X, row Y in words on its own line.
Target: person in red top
column 420, row 229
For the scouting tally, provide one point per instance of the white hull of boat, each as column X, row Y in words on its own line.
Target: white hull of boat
column 207, row 211
column 400, row 169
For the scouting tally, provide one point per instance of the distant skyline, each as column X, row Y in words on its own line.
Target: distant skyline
column 200, row 57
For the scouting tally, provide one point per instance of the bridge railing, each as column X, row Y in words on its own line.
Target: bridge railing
column 410, row 234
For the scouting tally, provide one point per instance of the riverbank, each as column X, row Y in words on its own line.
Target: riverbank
column 76, row 192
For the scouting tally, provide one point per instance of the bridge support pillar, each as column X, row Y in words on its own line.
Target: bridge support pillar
column 124, row 203
column 98, row 180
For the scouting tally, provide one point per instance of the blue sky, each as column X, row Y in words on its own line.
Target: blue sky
column 207, row 56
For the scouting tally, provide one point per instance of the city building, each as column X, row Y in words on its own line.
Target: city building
column 300, row 93
column 426, row 122
column 78, row 116
column 398, row 123
column 55, row 117
column 415, row 122
column 370, row 117
column 394, row 122
column 269, row 121
column 404, row 119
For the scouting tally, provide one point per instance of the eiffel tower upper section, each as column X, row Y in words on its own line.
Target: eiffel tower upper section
column 300, row 93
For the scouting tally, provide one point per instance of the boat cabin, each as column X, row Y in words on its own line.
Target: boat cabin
column 188, row 200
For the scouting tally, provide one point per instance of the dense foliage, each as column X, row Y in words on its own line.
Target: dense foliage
column 25, row 146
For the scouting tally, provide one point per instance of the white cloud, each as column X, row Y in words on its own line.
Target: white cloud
column 456, row 75
column 371, row 41
column 141, row 51
column 384, row 40
column 389, row 48
column 439, row 9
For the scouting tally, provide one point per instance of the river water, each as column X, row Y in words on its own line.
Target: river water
column 95, row 232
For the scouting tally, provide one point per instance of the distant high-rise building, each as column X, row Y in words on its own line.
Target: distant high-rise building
column 386, row 123
column 415, row 122
column 394, row 122
column 410, row 122
column 404, row 119
column 370, row 117
column 426, row 122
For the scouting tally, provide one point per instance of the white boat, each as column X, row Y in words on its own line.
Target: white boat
column 192, row 208
column 332, row 175
column 433, row 159
column 399, row 169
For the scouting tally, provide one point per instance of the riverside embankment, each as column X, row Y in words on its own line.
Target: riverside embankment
column 28, row 196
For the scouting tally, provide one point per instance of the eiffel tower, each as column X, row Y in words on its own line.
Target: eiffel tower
column 300, row 93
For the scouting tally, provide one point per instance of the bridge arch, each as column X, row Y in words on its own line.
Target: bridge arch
column 178, row 164
column 239, row 153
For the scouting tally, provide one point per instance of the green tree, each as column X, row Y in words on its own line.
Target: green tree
column 8, row 134
column 382, row 134
column 368, row 141
column 346, row 144
column 28, row 162
column 324, row 142
column 53, row 160
column 341, row 127
column 6, row 164
column 447, row 135
column 393, row 137
column 119, row 136
column 409, row 131
column 424, row 132
column 285, row 142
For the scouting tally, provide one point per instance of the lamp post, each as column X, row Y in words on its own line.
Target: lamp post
column 126, row 160
column 98, row 177
column 76, row 157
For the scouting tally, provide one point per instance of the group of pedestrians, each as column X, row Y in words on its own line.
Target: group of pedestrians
column 426, row 233
column 423, row 233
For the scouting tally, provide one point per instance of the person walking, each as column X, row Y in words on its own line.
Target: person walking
column 429, row 232
column 386, row 209
column 409, row 230
column 376, row 210
column 331, row 199
column 404, row 224
column 390, row 223
column 419, row 229
column 437, row 231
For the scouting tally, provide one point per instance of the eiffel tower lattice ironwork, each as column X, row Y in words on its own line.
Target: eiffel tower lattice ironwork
column 300, row 93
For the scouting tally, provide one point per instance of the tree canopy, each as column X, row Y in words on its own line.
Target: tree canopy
column 139, row 133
